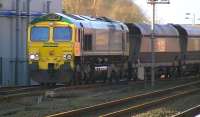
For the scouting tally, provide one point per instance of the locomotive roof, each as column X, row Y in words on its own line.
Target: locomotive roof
column 192, row 30
column 83, row 21
column 160, row 30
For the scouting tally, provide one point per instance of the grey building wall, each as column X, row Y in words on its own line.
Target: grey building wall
column 36, row 5
column 13, row 60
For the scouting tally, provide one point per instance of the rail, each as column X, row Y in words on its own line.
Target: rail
column 92, row 109
column 189, row 113
column 149, row 104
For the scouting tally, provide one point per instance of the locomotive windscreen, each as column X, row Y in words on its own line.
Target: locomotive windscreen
column 39, row 34
column 62, row 34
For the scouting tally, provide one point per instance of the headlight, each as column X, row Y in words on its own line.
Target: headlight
column 34, row 57
column 67, row 57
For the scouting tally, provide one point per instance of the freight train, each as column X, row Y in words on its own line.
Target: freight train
column 67, row 48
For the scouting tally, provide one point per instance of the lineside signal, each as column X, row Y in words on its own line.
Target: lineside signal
column 158, row 1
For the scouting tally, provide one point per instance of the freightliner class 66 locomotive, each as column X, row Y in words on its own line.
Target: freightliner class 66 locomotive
column 66, row 48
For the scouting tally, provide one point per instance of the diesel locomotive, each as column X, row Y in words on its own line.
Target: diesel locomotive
column 67, row 48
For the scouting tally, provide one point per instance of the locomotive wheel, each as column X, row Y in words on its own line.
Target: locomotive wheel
column 110, row 79
column 93, row 79
column 47, row 84
column 117, row 78
column 86, row 78
column 77, row 78
column 42, row 84
column 134, row 76
column 104, row 76
column 104, row 79
column 113, row 76
column 51, row 84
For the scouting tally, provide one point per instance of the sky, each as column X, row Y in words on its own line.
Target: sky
column 175, row 12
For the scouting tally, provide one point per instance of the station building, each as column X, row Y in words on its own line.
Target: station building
column 14, row 17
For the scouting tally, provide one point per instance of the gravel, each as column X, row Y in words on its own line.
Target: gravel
column 173, row 107
column 38, row 106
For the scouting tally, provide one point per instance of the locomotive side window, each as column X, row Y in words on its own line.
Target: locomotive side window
column 87, row 42
column 39, row 34
column 62, row 34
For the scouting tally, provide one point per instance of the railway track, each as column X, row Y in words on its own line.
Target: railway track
column 11, row 90
column 130, row 105
column 18, row 92
column 189, row 113
column 147, row 105
column 23, row 91
column 18, row 89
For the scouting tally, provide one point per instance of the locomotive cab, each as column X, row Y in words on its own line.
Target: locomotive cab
column 50, row 49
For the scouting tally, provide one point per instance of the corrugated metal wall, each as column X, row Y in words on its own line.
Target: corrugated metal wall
column 13, row 62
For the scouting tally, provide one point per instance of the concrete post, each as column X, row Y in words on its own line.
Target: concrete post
column 17, row 40
column 1, row 71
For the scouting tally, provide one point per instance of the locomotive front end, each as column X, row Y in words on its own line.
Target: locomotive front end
column 50, row 49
